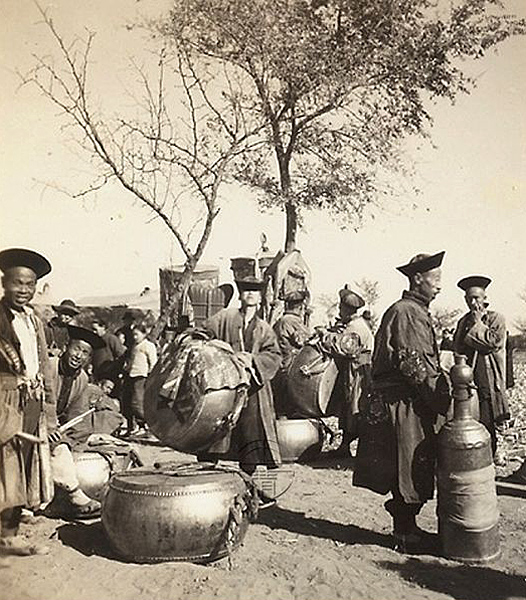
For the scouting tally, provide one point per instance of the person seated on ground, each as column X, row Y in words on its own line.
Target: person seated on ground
column 57, row 328
column 70, row 383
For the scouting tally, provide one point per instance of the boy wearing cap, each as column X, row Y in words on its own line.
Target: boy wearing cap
column 397, row 447
column 25, row 396
column 350, row 343
column 481, row 336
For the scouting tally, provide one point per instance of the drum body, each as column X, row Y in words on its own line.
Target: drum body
column 197, row 514
column 299, row 439
column 94, row 471
column 311, row 379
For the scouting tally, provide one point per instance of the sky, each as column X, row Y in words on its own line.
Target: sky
column 472, row 181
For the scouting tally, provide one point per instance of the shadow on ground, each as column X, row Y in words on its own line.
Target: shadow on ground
column 460, row 582
column 87, row 538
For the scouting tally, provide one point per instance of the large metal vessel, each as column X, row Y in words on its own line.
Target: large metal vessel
column 192, row 512
column 95, row 469
column 467, row 497
column 311, row 379
column 299, row 439
column 194, row 395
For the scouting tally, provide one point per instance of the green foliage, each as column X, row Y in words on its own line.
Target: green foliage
column 336, row 85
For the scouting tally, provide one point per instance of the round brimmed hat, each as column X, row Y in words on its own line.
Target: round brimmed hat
column 480, row 281
column 421, row 263
column 250, row 284
column 22, row 257
column 66, row 307
column 81, row 333
column 350, row 298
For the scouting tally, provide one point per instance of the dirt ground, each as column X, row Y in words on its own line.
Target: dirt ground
column 324, row 540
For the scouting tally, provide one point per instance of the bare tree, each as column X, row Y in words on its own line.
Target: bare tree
column 173, row 157
column 444, row 318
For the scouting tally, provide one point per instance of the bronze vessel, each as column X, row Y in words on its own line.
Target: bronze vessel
column 95, row 469
column 311, row 379
column 299, row 439
column 192, row 512
column 467, row 497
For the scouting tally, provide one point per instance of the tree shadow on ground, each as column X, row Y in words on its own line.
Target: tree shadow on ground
column 297, row 522
column 460, row 582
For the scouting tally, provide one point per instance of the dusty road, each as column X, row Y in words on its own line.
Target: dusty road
column 324, row 540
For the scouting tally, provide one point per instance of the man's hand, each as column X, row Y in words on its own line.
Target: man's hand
column 54, row 437
column 246, row 359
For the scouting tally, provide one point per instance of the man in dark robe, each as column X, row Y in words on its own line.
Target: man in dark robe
column 70, row 383
column 481, row 336
column 25, row 397
column 397, row 446
column 254, row 439
column 292, row 333
column 57, row 328
column 108, row 361
column 350, row 343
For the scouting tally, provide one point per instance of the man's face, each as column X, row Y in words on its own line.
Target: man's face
column 250, row 298
column 19, row 286
column 138, row 335
column 428, row 284
column 78, row 354
column 65, row 318
column 99, row 329
column 106, row 385
column 475, row 297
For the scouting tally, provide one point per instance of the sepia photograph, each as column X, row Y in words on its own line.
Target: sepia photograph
column 263, row 300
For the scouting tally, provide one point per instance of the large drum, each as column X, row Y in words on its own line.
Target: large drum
column 193, row 512
column 311, row 379
column 195, row 394
column 94, row 469
column 299, row 439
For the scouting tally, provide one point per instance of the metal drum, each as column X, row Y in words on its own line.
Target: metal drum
column 194, row 395
column 299, row 439
column 311, row 379
column 94, row 470
column 192, row 512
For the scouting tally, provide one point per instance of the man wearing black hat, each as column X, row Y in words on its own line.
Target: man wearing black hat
column 25, row 394
column 292, row 333
column 350, row 342
column 70, row 383
column 397, row 447
column 254, row 439
column 56, row 330
column 481, row 336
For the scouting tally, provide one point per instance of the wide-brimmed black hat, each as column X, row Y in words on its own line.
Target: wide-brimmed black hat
column 350, row 298
column 81, row 333
column 250, row 284
column 22, row 257
column 421, row 263
column 67, row 307
column 480, row 281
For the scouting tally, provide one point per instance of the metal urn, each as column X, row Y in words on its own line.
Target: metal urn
column 194, row 512
column 299, row 439
column 94, row 469
column 467, row 496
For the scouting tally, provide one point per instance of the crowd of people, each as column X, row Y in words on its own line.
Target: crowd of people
column 60, row 383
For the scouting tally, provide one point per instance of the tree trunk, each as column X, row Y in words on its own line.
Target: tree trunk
column 291, row 214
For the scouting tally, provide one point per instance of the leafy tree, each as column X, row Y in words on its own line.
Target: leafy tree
column 444, row 318
column 336, row 85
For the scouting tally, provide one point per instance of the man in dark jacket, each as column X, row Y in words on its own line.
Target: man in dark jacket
column 397, row 448
column 57, row 328
column 108, row 361
column 481, row 336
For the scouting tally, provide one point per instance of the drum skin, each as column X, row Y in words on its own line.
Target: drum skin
column 299, row 439
column 311, row 379
column 93, row 472
column 152, row 516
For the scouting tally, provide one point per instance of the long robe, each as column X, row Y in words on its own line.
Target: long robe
column 397, row 445
column 292, row 334
column 254, row 439
column 484, row 344
column 25, row 472
column 351, row 345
